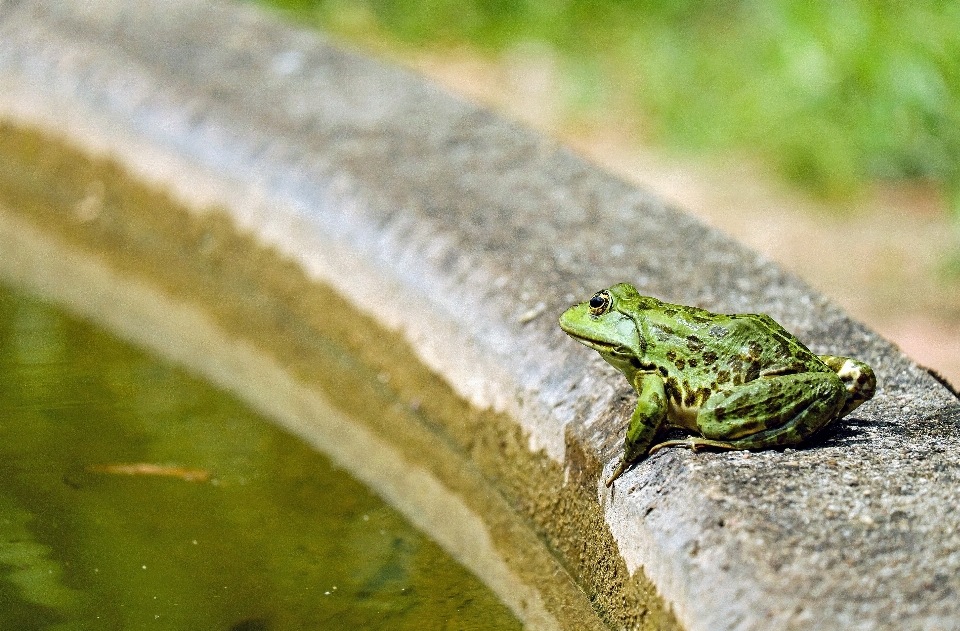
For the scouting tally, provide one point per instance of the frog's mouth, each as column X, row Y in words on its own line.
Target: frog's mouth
column 601, row 347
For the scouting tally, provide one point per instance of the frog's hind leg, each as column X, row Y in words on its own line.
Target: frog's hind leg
column 767, row 412
column 857, row 378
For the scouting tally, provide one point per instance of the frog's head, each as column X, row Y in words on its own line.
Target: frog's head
column 605, row 324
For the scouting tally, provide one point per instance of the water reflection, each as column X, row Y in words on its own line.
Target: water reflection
column 133, row 496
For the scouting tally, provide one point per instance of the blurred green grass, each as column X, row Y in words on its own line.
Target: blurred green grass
column 835, row 95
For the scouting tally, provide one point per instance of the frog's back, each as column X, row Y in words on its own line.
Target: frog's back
column 715, row 350
column 755, row 344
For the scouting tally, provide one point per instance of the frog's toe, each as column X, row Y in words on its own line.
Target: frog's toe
column 617, row 472
column 694, row 443
column 682, row 442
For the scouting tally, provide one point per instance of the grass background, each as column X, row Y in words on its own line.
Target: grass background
column 834, row 95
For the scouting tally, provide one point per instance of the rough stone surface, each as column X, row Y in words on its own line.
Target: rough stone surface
column 470, row 235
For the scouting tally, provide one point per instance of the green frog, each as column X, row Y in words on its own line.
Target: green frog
column 733, row 381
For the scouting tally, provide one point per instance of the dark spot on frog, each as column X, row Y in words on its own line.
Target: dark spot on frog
column 783, row 346
column 639, row 365
column 752, row 426
column 663, row 371
column 737, row 379
column 755, row 349
column 723, row 377
column 690, row 395
column 783, row 370
column 770, row 410
column 786, row 438
column 671, row 355
column 702, row 395
column 672, row 389
column 664, row 331
column 753, row 371
column 709, row 358
column 694, row 343
column 692, row 362
column 669, row 312
column 679, row 363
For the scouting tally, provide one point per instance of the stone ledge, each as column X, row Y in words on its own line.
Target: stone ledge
column 469, row 235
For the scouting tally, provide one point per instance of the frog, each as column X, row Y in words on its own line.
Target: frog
column 734, row 382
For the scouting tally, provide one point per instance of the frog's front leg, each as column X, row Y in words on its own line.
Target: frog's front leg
column 857, row 378
column 647, row 418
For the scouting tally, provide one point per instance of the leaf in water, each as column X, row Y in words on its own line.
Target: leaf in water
column 147, row 468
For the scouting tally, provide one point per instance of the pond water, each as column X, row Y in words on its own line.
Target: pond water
column 135, row 496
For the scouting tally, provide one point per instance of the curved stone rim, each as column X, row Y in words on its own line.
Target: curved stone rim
column 453, row 227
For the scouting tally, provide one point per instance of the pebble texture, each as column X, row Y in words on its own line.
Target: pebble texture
column 470, row 235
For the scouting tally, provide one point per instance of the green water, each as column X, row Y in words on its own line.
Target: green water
column 277, row 537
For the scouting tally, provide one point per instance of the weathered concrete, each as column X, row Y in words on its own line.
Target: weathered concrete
column 469, row 235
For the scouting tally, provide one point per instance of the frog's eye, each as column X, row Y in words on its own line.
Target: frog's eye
column 600, row 303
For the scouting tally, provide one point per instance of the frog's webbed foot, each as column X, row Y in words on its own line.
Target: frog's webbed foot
column 857, row 378
column 634, row 451
column 618, row 471
column 693, row 443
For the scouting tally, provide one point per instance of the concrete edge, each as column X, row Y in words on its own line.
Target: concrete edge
column 463, row 324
